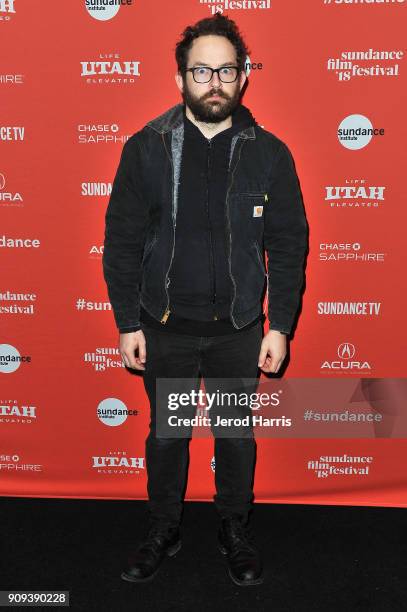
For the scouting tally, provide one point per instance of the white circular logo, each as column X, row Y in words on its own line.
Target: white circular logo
column 9, row 359
column 102, row 10
column 247, row 65
column 355, row 132
column 112, row 411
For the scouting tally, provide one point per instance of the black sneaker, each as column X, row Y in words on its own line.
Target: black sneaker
column 161, row 541
column 243, row 558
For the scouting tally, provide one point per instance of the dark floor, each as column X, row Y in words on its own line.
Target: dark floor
column 317, row 558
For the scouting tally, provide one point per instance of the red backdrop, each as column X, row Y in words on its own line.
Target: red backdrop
column 73, row 88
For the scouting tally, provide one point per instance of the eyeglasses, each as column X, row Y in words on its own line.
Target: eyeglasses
column 203, row 74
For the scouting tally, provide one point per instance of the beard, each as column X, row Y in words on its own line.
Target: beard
column 211, row 111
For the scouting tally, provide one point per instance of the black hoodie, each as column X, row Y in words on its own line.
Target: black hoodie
column 200, row 287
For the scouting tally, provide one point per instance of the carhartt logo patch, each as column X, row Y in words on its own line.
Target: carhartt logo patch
column 257, row 211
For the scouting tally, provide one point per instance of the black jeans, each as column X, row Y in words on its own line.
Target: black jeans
column 227, row 358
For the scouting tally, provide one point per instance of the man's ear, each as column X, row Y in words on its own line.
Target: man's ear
column 179, row 81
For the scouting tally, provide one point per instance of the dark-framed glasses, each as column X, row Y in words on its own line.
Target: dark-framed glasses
column 203, row 74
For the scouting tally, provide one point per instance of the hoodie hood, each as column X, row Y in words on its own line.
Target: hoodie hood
column 242, row 118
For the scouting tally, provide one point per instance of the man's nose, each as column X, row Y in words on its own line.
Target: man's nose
column 215, row 81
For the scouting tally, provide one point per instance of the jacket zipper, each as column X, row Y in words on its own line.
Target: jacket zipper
column 167, row 280
column 230, row 237
column 212, row 260
column 167, row 311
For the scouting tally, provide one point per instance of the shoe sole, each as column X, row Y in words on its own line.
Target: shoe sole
column 236, row 580
column 170, row 552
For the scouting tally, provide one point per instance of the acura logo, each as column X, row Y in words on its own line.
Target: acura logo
column 346, row 350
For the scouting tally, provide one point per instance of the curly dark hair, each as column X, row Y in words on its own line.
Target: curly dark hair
column 219, row 25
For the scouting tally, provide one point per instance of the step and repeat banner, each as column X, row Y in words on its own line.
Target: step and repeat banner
column 77, row 79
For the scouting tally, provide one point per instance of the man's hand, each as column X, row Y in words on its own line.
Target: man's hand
column 273, row 351
column 128, row 344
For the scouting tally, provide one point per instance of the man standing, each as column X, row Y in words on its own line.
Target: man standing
column 199, row 193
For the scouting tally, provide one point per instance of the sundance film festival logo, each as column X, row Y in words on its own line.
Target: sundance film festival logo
column 348, row 251
column 103, row 10
column 9, row 198
column 218, row 6
column 349, row 465
column 355, row 193
column 356, row 131
column 110, row 69
column 10, row 303
column 365, row 64
column 104, row 358
column 346, row 361
column 7, row 9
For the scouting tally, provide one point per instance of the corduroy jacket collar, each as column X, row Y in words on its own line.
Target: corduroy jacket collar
column 174, row 117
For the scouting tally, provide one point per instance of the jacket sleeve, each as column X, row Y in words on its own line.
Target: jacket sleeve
column 125, row 230
column 285, row 241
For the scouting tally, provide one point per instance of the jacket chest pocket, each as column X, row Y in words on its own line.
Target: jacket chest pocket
column 254, row 194
column 252, row 204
